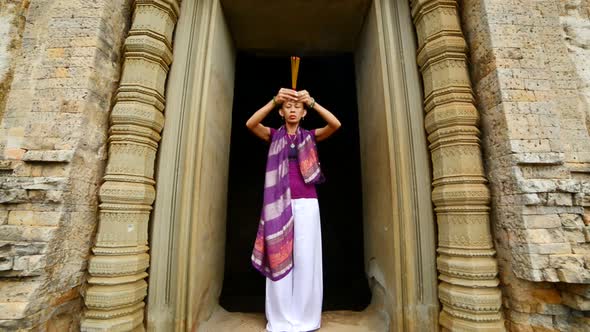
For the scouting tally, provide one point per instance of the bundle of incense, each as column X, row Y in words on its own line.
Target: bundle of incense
column 294, row 71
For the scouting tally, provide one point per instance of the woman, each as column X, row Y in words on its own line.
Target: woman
column 288, row 248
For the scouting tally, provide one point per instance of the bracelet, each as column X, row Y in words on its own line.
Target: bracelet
column 312, row 103
column 274, row 102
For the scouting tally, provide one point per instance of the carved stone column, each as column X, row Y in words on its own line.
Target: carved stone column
column 468, row 288
column 114, row 296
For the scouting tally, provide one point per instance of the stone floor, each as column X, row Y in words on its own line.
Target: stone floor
column 332, row 321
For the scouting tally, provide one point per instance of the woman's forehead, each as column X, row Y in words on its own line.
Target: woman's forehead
column 292, row 103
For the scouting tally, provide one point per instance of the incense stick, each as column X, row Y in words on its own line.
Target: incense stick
column 294, row 71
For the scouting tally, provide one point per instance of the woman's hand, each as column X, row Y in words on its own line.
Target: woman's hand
column 304, row 97
column 253, row 123
column 285, row 95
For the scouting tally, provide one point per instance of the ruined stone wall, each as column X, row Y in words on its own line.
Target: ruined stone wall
column 59, row 65
column 11, row 28
column 575, row 22
column 530, row 73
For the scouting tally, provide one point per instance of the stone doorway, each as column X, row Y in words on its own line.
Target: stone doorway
column 331, row 79
column 188, row 226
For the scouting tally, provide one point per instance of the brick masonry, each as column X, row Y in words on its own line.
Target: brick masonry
column 62, row 69
column 530, row 74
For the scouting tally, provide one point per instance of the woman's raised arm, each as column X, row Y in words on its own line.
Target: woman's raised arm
column 254, row 124
column 333, row 122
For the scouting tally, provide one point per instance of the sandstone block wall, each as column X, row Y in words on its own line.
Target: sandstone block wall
column 11, row 28
column 530, row 73
column 59, row 65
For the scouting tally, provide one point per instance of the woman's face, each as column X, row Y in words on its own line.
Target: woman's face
column 292, row 111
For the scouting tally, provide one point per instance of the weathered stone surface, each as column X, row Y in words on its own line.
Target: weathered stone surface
column 569, row 220
column 580, row 289
column 48, row 155
column 559, row 199
column 54, row 102
column 11, row 29
column 542, row 221
column 576, row 302
column 531, row 79
column 27, row 233
column 13, row 196
column 573, row 273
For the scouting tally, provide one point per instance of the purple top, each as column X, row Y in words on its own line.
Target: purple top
column 299, row 189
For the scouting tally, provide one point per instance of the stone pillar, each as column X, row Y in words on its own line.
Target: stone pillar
column 468, row 288
column 114, row 297
column 60, row 67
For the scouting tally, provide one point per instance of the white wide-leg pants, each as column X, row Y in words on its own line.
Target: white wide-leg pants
column 294, row 303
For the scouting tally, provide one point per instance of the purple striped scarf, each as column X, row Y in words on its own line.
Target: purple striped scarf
column 273, row 249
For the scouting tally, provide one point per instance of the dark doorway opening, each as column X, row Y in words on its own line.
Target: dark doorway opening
column 331, row 81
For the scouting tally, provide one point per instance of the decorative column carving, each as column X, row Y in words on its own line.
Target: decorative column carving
column 468, row 288
column 116, row 285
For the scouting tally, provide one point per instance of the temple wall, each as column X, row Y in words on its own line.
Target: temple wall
column 575, row 22
column 59, row 66
column 11, row 28
column 60, row 63
column 530, row 75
